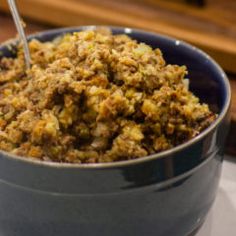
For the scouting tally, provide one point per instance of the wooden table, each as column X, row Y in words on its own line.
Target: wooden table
column 7, row 30
column 211, row 28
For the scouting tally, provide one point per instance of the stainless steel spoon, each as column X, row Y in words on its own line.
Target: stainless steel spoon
column 20, row 29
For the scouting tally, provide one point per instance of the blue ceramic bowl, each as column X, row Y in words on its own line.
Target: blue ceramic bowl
column 167, row 194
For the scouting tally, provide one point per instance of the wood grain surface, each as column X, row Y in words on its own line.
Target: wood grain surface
column 7, row 31
column 211, row 28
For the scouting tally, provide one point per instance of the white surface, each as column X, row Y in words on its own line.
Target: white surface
column 221, row 220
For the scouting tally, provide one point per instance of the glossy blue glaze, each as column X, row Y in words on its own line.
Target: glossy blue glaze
column 164, row 194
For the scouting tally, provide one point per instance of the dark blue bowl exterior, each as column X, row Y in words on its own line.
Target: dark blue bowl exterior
column 159, row 196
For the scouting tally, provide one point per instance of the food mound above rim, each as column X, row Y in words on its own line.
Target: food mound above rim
column 93, row 97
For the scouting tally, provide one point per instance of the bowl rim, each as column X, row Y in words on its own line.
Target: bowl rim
column 125, row 163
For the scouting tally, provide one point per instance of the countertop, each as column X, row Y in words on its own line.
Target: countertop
column 221, row 220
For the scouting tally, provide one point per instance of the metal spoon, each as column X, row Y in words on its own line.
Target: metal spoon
column 20, row 29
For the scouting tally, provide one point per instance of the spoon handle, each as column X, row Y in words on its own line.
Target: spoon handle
column 20, row 29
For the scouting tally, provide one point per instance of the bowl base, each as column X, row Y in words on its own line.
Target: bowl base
column 197, row 228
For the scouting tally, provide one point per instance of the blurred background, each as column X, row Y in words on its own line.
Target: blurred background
column 208, row 24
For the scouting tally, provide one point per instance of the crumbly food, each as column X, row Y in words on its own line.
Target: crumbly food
column 93, row 97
